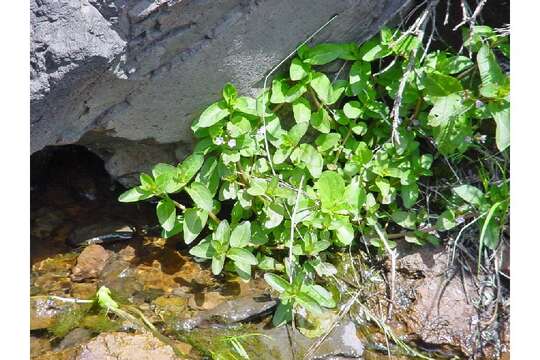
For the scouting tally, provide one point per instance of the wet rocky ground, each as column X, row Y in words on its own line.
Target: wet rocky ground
column 438, row 310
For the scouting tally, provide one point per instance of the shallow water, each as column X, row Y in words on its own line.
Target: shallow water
column 71, row 193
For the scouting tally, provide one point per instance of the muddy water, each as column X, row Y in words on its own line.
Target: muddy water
column 73, row 198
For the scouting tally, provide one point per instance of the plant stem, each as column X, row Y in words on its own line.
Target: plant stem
column 183, row 208
column 314, row 97
column 342, row 145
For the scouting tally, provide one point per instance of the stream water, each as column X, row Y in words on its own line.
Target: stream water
column 73, row 199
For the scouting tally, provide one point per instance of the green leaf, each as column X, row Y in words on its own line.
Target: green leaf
column 274, row 213
column 320, row 246
column 355, row 196
column 222, row 232
column 228, row 191
column 217, row 264
column 360, row 128
column 321, row 295
column 326, row 142
column 373, row 50
column 360, row 81
column 409, row 195
column 104, row 299
column 501, row 114
column 295, row 134
column 135, row 194
column 243, row 270
column 194, row 222
column 166, row 213
column 244, row 199
column 331, row 188
column 445, row 110
column 229, row 94
column 362, row 154
column 470, row 194
column 281, row 93
column 352, row 109
column 282, row 315
column 404, row 219
column 490, row 233
column 458, row 64
column 213, row 114
column 277, row 282
column 147, row 183
column 257, row 186
column 281, row 155
column 324, row 89
column 189, row 167
column 405, row 45
column 267, row 263
column 298, row 69
column 438, row 84
column 177, row 229
column 308, row 303
column 201, row 196
column 325, row 53
column 242, row 256
column 165, row 176
column 246, row 105
column 308, row 157
column 301, row 110
column 241, row 235
column 446, row 221
column 209, row 175
column 321, row 121
column 385, row 189
column 490, row 72
column 345, row 233
column 238, row 126
column 239, row 348
column 203, row 250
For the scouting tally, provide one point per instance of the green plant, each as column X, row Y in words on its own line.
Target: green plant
column 312, row 163
column 235, row 341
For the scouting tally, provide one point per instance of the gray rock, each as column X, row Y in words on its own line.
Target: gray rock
column 75, row 337
column 342, row 343
column 123, row 77
column 105, row 232
column 45, row 310
column 242, row 309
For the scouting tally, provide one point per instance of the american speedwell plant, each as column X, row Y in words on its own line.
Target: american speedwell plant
column 311, row 165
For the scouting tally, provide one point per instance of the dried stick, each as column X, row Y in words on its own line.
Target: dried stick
column 471, row 19
column 418, row 28
column 393, row 257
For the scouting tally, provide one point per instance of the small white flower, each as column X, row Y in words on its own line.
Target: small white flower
column 479, row 104
column 460, row 219
column 468, row 139
column 261, row 131
column 231, row 143
column 219, row 141
column 481, row 138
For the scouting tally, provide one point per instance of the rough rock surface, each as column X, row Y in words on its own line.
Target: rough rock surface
column 441, row 310
column 342, row 343
column 90, row 263
column 242, row 309
column 126, row 78
column 45, row 310
column 123, row 346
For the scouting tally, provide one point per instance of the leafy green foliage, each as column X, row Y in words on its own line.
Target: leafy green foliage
column 309, row 167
